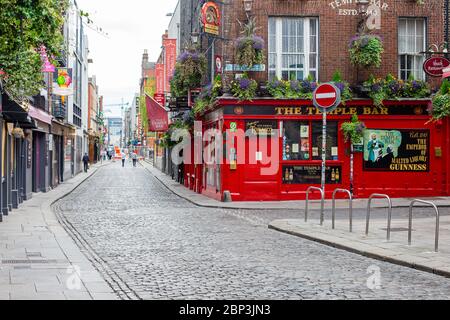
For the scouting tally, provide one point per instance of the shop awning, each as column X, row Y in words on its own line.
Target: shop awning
column 40, row 115
column 446, row 73
column 16, row 112
column 158, row 120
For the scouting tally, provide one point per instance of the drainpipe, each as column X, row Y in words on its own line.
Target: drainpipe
column 446, row 9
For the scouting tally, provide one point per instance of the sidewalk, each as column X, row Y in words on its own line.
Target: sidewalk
column 39, row 260
column 420, row 255
column 204, row 201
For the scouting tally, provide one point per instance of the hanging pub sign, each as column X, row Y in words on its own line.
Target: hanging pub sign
column 211, row 18
column 62, row 82
column 434, row 66
column 397, row 150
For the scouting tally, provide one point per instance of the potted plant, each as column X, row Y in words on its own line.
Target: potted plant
column 366, row 50
column 380, row 89
column 208, row 95
column 343, row 86
column 441, row 102
column 249, row 47
column 292, row 89
column 244, row 88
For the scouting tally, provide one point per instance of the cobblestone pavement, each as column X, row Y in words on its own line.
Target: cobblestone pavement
column 164, row 247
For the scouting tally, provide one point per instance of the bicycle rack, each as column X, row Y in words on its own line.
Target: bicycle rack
column 379, row 195
column 333, row 210
column 322, row 205
column 436, row 234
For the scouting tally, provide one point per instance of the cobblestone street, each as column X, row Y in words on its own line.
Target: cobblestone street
column 159, row 246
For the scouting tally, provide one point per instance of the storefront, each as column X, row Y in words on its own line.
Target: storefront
column 15, row 126
column 280, row 155
column 56, row 148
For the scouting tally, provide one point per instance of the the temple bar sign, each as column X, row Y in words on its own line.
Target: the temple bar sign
column 350, row 7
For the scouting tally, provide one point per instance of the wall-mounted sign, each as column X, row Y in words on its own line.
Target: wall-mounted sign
column 309, row 110
column 311, row 174
column 218, row 65
column 62, row 82
column 29, row 153
column 159, row 71
column 434, row 66
column 238, row 68
column 262, row 127
column 351, row 8
column 170, row 59
column 211, row 18
column 160, row 98
column 397, row 150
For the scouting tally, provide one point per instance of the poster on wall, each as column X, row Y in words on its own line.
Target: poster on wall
column 397, row 150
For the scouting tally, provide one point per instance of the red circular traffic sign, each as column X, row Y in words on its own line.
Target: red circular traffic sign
column 326, row 96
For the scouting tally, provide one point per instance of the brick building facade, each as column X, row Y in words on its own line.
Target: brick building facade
column 336, row 24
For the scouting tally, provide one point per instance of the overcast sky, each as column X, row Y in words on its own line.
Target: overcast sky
column 132, row 26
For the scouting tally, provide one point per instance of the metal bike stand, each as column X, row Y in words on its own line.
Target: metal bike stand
column 333, row 210
column 436, row 234
column 379, row 195
column 322, row 205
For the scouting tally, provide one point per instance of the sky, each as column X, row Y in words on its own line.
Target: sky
column 131, row 26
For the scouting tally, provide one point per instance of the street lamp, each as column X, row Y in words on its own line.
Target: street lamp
column 362, row 4
column 248, row 4
column 194, row 37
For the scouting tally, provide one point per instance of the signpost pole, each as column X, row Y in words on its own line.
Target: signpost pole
column 324, row 147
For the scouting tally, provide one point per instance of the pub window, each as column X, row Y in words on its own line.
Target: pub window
column 293, row 48
column 296, row 140
column 332, row 141
column 411, row 41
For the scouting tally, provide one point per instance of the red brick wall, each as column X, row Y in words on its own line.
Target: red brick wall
column 336, row 31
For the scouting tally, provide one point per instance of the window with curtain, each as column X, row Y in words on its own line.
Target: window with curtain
column 293, row 48
column 411, row 41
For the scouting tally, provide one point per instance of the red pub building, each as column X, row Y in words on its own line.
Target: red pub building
column 402, row 154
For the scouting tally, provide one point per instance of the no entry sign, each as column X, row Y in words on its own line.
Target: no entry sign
column 326, row 97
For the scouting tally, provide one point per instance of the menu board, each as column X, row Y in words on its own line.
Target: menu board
column 397, row 150
column 310, row 174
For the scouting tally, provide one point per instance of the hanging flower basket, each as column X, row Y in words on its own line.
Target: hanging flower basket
column 18, row 133
column 366, row 50
column 249, row 47
column 190, row 70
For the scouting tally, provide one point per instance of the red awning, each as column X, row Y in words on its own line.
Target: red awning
column 446, row 72
column 158, row 120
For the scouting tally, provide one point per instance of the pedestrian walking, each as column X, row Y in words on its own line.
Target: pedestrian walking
column 134, row 158
column 124, row 156
column 85, row 161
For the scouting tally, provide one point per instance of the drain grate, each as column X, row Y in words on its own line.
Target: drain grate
column 34, row 254
column 396, row 229
column 22, row 267
column 28, row 261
